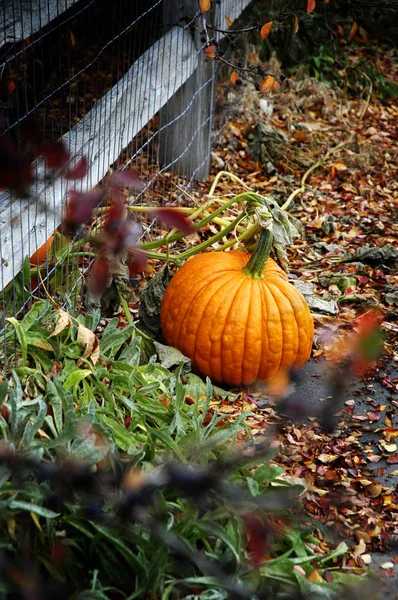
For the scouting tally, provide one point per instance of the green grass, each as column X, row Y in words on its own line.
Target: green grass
column 112, row 485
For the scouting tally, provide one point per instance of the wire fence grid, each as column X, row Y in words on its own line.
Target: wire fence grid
column 125, row 83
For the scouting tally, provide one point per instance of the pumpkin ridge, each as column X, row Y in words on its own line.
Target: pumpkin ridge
column 186, row 315
column 215, row 317
column 294, row 319
column 281, row 328
column 261, row 325
column 223, row 362
column 208, row 303
column 182, row 316
column 269, row 303
column 247, row 322
column 264, row 318
column 299, row 330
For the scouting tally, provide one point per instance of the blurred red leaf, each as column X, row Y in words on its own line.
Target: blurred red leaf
column 15, row 175
column 115, row 212
column 31, row 132
column 138, row 262
column 99, row 275
column 59, row 553
column 15, row 169
column 80, row 206
column 79, row 170
column 310, row 6
column 174, row 218
column 259, row 536
column 56, row 154
column 127, row 179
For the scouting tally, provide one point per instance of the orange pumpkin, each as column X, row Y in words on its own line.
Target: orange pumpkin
column 41, row 254
column 237, row 317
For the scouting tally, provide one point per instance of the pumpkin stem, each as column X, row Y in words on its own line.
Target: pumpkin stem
column 258, row 260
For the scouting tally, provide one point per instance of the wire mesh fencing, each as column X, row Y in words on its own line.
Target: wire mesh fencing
column 125, row 84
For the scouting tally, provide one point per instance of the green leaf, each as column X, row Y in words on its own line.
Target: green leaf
column 53, row 398
column 36, row 315
column 42, row 360
column 33, row 424
column 3, row 391
column 34, row 508
column 113, row 339
column 76, row 377
column 168, row 442
column 120, row 546
column 341, row 549
column 124, row 438
column 21, row 339
column 267, row 473
column 35, row 339
column 212, row 529
column 253, row 486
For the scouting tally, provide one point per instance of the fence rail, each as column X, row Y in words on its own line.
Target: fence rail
column 170, row 79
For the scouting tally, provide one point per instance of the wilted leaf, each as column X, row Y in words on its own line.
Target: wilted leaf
column 229, row 22
column 388, row 447
column 63, row 322
column 265, row 30
column 210, row 51
column 310, row 6
column 204, row 5
column 171, row 357
column 234, row 77
column 374, row 458
column 360, row 548
column 90, row 341
column 353, row 30
column 314, row 577
column 269, row 84
column 327, row 458
column 296, row 24
column 375, row 490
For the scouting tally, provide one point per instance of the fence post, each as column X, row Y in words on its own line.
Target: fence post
column 185, row 122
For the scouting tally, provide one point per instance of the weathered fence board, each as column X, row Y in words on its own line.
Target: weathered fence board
column 19, row 20
column 101, row 135
column 106, row 130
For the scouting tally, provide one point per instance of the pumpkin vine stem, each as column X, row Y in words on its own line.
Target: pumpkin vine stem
column 258, row 260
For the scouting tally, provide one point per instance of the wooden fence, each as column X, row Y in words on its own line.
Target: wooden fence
column 170, row 79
